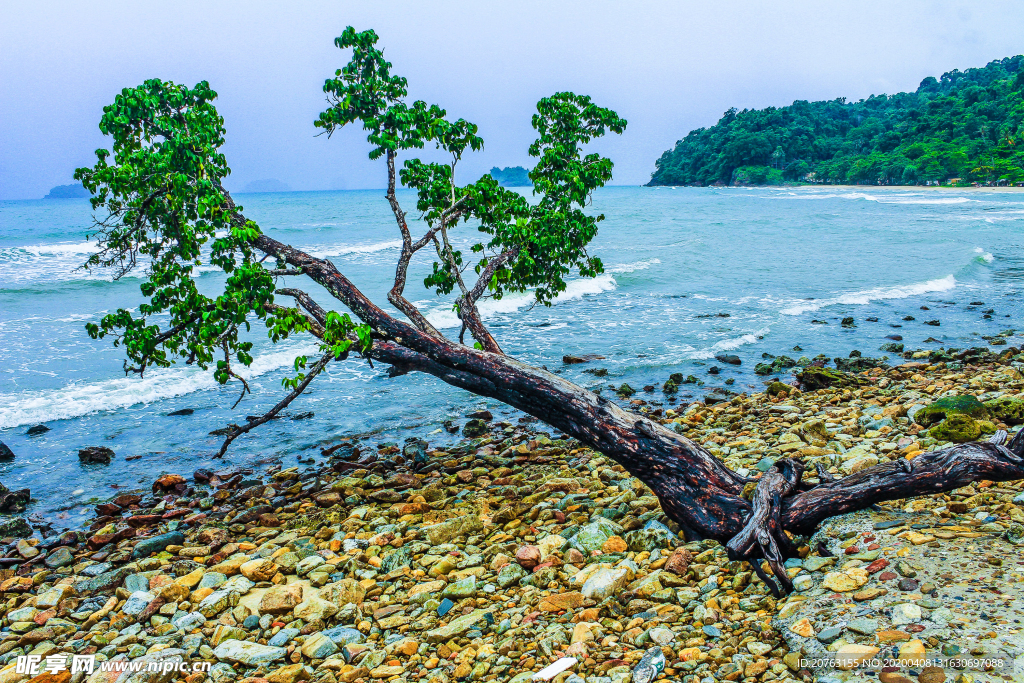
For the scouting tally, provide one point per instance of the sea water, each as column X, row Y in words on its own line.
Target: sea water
column 689, row 274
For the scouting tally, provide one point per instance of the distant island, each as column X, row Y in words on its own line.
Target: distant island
column 266, row 185
column 74, row 191
column 512, row 176
column 964, row 128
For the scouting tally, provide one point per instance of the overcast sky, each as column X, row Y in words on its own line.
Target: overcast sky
column 667, row 67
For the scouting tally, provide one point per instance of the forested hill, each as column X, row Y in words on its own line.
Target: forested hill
column 966, row 125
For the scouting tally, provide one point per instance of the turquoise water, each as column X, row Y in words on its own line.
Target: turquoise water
column 690, row 273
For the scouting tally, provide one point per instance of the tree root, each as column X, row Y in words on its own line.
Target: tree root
column 764, row 532
column 762, row 535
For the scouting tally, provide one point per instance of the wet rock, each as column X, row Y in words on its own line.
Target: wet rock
column 951, row 405
column 95, row 455
column 248, row 653
column 956, row 428
column 653, row 535
column 15, row 527
column 474, row 428
column 6, row 454
column 650, row 666
column 456, row 628
column 528, row 557
column 157, row 544
column 14, row 501
column 59, row 557
column 1007, row 409
column 813, row 378
column 36, row 430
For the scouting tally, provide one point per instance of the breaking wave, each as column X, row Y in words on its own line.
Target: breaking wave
column 880, row 293
column 445, row 318
column 76, row 400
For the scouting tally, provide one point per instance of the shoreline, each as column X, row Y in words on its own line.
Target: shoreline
column 385, row 563
column 852, row 188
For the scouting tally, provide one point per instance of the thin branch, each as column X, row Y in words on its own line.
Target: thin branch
column 315, row 328
column 272, row 413
column 395, row 296
column 232, row 373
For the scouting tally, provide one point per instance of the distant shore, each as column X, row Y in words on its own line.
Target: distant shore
column 855, row 188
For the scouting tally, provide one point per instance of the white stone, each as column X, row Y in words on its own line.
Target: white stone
column 248, row 653
column 905, row 613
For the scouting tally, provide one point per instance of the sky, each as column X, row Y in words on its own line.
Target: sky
column 667, row 67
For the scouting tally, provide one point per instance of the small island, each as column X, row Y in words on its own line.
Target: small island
column 73, row 191
column 512, row 176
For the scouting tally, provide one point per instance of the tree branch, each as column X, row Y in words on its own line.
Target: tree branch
column 395, row 296
column 272, row 413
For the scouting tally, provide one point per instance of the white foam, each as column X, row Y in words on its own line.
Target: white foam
column 984, row 255
column 879, row 293
column 634, row 266
column 445, row 318
column 884, row 198
column 76, row 400
column 325, row 250
column 46, row 262
column 730, row 344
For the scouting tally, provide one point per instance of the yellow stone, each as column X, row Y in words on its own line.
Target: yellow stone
column 912, row 653
column 802, row 628
column 846, row 581
column 850, row 656
column 919, row 538
column 198, row 595
column 192, row 579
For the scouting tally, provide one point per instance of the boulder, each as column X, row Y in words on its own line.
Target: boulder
column 956, row 428
column 812, row 378
column 15, row 527
column 951, row 405
column 1007, row 409
column 95, row 455
column 474, row 428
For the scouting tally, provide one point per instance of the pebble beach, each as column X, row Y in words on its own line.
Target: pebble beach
column 516, row 554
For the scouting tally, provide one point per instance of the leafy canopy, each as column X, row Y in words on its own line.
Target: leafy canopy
column 160, row 193
column 548, row 239
column 167, row 211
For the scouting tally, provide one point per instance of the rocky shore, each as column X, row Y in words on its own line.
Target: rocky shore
column 518, row 554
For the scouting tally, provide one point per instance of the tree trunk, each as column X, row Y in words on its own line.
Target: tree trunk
column 695, row 488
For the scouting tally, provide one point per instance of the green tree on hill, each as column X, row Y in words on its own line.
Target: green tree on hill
column 966, row 124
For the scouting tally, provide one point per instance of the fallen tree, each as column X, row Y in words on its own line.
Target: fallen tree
column 165, row 209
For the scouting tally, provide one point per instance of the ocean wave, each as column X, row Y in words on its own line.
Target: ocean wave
column 731, row 344
column 76, row 400
column 905, row 199
column 326, row 250
column 877, row 294
column 984, row 255
column 445, row 318
column 634, row 266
